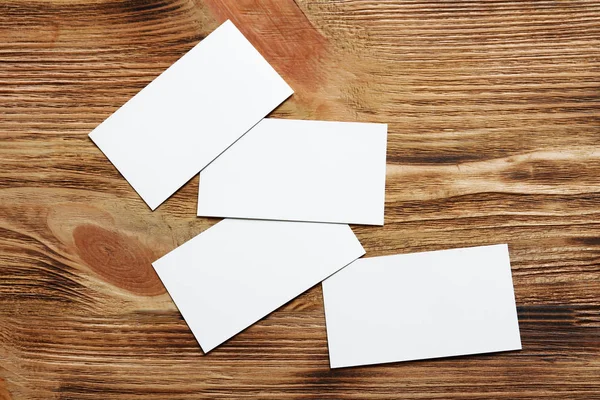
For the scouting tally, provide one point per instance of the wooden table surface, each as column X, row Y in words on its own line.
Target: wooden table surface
column 494, row 137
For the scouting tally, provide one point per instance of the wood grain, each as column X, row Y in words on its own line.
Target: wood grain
column 494, row 136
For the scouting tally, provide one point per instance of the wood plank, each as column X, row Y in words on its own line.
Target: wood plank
column 494, row 132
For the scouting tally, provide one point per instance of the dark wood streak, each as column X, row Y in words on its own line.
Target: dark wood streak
column 494, row 132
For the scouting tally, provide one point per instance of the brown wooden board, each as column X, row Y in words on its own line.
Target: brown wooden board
column 494, row 137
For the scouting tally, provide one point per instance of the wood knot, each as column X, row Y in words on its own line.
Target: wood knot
column 120, row 260
column 4, row 393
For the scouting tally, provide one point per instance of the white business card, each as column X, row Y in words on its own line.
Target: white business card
column 238, row 271
column 191, row 113
column 421, row 305
column 300, row 171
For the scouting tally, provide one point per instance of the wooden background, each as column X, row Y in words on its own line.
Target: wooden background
column 494, row 136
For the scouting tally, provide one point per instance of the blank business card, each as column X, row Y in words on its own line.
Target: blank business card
column 300, row 171
column 238, row 271
column 422, row 305
column 191, row 113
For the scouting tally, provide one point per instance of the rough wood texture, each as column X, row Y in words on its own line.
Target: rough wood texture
column 494, row 119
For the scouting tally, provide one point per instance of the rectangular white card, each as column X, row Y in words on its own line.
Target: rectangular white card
column 300, row 171
column 238, row 271
column 421, row 305
column 190, row 114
